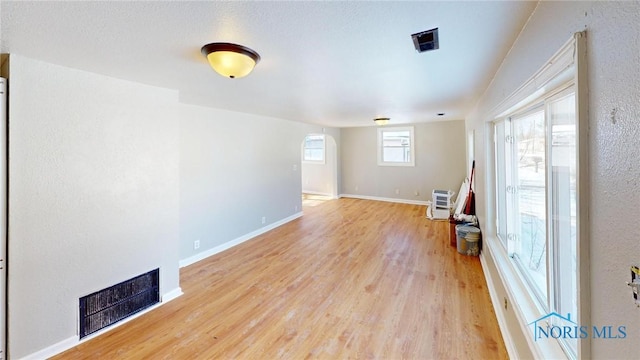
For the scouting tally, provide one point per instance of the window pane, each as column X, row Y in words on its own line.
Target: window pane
column 394, row 155
column 314, row 141
column 314, row 148
column 529, row 176
column 563, row 208
column 396, row 146
column 313, row 154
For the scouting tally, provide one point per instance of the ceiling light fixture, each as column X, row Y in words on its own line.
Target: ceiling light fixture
column 381, row 121
column 230, row 60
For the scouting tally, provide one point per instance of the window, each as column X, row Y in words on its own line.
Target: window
column 395, row 146
column 314, row 149
column 540, row 199
column 536, row 198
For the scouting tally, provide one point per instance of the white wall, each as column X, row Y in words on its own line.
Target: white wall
column 440, row 163
column 93, row 194
column 613, row 53
column 321, row 178
column 110, row 179
column 236, row 168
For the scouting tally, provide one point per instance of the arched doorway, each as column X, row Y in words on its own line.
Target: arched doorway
column 319, row 170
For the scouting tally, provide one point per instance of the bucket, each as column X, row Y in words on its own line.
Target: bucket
column 461, row 233
column 473, row 242
column 464, row 240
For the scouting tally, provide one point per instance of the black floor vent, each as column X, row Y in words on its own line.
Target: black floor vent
column 108, row 306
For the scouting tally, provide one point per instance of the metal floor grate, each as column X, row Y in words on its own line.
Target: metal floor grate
column 108, row 306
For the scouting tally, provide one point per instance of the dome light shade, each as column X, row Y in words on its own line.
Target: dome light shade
column 230, row 60
column 381, row 121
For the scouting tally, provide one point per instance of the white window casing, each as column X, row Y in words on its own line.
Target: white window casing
column 564, row 205
column 396, row 146
column 314, row 149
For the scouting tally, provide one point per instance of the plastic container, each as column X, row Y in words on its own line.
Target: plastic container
column 473, row 242
column 468, row 238
column 461, row 233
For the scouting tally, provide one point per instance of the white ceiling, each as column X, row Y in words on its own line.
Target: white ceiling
column 330, row 63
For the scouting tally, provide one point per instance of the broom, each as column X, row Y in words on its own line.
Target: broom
column 470, row 209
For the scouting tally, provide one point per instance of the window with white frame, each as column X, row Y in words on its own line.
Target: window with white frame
column 314, row 149
column 540, row 201
column 536, row 198
column 396, row 146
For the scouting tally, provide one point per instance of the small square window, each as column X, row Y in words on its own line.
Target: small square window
column 396, row 147
column 314, row 149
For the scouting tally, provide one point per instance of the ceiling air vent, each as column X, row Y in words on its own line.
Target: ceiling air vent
column 426, row 40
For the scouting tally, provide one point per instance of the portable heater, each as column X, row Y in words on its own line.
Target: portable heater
column 440, row 207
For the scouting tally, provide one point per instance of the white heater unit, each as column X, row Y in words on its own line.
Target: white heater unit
column 442, row 199
column 440, row 206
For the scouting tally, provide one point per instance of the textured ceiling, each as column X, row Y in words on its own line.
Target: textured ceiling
column 330, row 63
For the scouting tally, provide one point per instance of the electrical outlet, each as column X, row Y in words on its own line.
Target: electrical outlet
column 356, row 187
column 397, row 191
column 264, row 219
column 505, row 303
column 196, row 244
column 416, row 193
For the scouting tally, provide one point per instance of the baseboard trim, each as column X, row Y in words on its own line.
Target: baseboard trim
column 171, row 295
column 376, row 198
column 73, row 341
column 54, row 349
column 229, row 244
column 318, row 193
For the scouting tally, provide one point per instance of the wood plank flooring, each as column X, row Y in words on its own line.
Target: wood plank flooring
column 351, row 279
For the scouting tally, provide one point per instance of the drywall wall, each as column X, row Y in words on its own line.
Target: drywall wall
column 613, row 56
column 94, row 189
column 120, row 174
column 235, row 169
column 439, row 163
column 320, row 178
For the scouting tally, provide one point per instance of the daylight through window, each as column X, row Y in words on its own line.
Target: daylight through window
column 396, row 146
column 314, row 149
column 535, row 156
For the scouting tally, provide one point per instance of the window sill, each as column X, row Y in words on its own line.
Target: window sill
column 525, row 308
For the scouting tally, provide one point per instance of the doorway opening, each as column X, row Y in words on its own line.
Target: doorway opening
column 319, row 170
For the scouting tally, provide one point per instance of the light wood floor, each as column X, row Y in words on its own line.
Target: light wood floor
column 351, row 279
